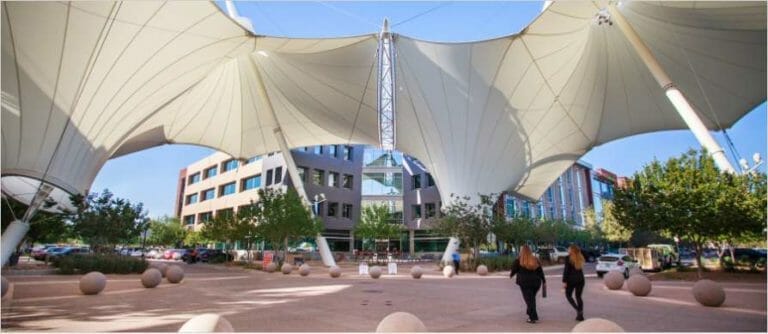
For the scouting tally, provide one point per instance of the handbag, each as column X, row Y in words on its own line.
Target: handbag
column 544, row 290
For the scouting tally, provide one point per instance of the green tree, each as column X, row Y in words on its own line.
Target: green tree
column 515, row 232
column 282, row 217
column 103, row 220
column 614, row 230
column 166, row 231
column 375, row 223
column 592, row 226
column 470, row 223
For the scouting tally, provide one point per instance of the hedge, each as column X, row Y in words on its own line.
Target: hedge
column 104, row 263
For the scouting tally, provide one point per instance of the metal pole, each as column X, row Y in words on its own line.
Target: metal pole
column 678, row 100
column 16, row 231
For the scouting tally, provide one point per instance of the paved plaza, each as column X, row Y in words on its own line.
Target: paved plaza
column 259, row 301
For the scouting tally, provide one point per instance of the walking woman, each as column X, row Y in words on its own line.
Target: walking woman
column 530, row 277
column 573, row 279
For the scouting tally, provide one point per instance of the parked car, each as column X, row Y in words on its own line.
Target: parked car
column 173, row 254
column 754, row 259
column 206, row 255
column 38, row 253
column 186, row 253
column 615, row 262
column 64, row 251
column 155, row 254
column 687, row 259
column 46, row 252
column 138, row 252
column 590, row 255
column 554, row 254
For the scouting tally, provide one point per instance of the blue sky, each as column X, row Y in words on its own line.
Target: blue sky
column 150, row 176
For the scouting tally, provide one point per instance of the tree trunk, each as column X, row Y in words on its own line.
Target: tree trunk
column 699, row 267
column 285, row 250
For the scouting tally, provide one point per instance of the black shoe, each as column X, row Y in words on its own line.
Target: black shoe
column 531, row 321
column 580, row 317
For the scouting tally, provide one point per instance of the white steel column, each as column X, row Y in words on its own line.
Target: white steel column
column 386, row 91
column 17, row 230
column 674, row 95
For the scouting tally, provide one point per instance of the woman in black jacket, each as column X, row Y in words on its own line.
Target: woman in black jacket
column 573, row 279
column 529, row 278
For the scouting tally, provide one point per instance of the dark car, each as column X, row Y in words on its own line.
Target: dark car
column 590, row 255
column 213, row 255
column 745, row 257
column 65, row 251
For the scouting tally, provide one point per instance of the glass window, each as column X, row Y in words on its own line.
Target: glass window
column 373, row 157
column 380, row 184
column 251, row 182
column 191, row 199
column 348, row 153
column 227, row 189
column 269, row 177
column 430, row 180
column 254, row 159
column 333, row 209
column 194, row 178
column 302, row 173
column 333, row 150
column 348, row 181
column 207, row 194
column 228, row 212
column 429, row 209
column 279, row 175
column 318, row 176
column 205, row 216
column 318, row 150
column 416, row 181
column 210, row 172
column 346, row 211
column 416, row 211
column 526, row 209
column 319, row 209
column 509, row 205
column 333, row 179
column 189, row 220
column 228, row 165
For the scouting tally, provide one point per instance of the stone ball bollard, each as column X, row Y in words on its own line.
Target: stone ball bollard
column 482, row 270
column 635, row 271
column 304, row 270
column 375, row 272
column 174, row 274
column 163, row 269
column 271, row 267
column 597, row 325
column 709, row 293
column 416, row 272
column 448, row 271
column 207, row 323
column 6, row 286
column 639, row 285
column 286, row 269
column 400, row 322
column 151, row 278
column 613, row 280
column 335, row 272
column 93, row 283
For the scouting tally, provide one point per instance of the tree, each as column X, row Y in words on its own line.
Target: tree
column 612, row 229
column 104, row 220
column 44, row 227
column 516, row 231
column 281, row 217
column 690, row 198
column 471, row 224
column 375, row 224
column 166, row 231
column 592, row 226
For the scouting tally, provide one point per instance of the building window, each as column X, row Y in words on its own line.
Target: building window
column 416, row 208
column 302, row 174
column 382, row 158
column 333, row 179
column 225, row 213
column 430, row 180
column 279, row 175
column 253, row 159
column 227, row 189
column 205, row 216
column 526, row 209
column 228, row 165
column 318, row 150
column 416, row 181
column 346, row 211
column 318, row 176
column 429, row 209
column 509, row 206
column 210, row 172
column 194, row 178
column 333, row 209
column 250, row 182
column 382, row 184
column 269, row 177
column 189, row 220
column 319, row 209
column 348, row 153
column 333, row 150
column 207, row 194
column 191, row 199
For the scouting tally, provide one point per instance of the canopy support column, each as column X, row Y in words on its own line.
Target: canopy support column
column 386, row 88
column 290, row 164
column 17, row 230
column 674, row 95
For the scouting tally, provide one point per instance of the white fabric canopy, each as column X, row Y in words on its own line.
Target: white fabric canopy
column 83, row 82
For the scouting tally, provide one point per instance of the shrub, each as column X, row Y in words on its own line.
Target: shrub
column 104, row 263
column 497, row 263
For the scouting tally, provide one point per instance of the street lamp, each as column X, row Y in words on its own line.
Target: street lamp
column 745, row 165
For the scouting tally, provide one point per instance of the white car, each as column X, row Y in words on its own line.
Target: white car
column 615, row 262
column 138, row 252
column 558, row 253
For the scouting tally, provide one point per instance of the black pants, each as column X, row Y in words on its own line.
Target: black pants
column 579, row 288
column 456, row 267
column 529, row 295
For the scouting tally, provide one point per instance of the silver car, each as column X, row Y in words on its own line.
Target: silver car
column 615, row 262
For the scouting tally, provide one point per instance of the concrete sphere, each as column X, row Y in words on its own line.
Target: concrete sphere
column 304, row 270
column 416, row 272
column 400, row 322
column 6, row 285
column 639, row 285
column 93, row 283
column 271, row 267
column 151, row 278
column 335, row 272
column 207, row 323
column 448, row 271
column 613, row 280
column 635, row 271
column 709, row 293
column 375, row 272
column 174, row 274
column 482, row 270
column 162, row 267
column 597, row 325
column 287, row 268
